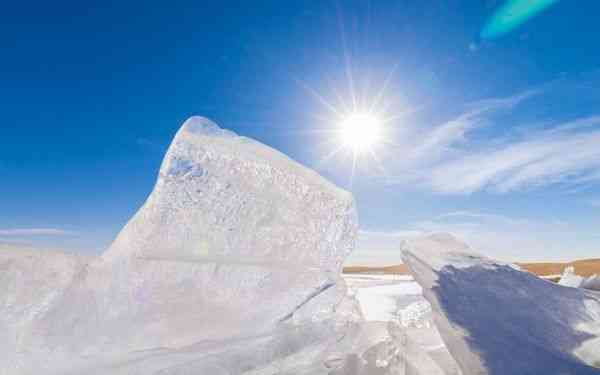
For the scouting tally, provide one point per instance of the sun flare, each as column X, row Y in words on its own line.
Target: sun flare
column 358, row 127
column 360, row 131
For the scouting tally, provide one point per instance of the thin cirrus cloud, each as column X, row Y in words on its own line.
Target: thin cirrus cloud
column 559, row 155
column 33, row 232
column 499, row 236
column 594, row 203
column 510, row 238
column 450, row 158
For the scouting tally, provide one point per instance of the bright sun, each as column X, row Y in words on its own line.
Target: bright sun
column 360, row 131
column 359, row 128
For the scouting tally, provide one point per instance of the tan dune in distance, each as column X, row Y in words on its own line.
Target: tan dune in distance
column 585, row 267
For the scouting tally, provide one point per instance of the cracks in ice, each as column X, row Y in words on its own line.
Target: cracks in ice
column 311, row 296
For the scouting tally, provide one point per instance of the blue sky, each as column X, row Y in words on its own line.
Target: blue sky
column 496, row 139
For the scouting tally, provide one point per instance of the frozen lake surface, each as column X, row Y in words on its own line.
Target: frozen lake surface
column 382, row 296
column 399, row 299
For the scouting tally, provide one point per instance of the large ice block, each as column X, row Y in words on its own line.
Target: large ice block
column 496, row 319
column 31, row 280
column 235, row 242
column 228, row 199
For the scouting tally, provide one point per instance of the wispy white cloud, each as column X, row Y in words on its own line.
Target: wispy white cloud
column 425, row 146
column 506, row 237
column 31, row 232
column 13, row 241
column 498, row 236
column 594, row 203
column 384, row 235
column 542, row 158
column 447, row 158
column 377, row 248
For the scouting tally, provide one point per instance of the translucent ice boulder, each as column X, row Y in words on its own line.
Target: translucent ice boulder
column 235, row 245
column 570, row 278
column 496, row 319
column 228, row 199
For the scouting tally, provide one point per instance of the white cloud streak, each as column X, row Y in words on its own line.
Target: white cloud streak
column 549, row 157
column 31, row 232
column 447, row 159
column 507, row 238
column 594, row 203
column 379, row 248
column 502, row 237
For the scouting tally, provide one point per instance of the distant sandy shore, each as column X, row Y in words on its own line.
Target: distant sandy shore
column 584, row 267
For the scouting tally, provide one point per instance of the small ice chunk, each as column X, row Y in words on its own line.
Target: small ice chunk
column 417, row 314
column 570, row 278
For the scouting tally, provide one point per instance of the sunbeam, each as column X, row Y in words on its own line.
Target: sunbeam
column 363, row 128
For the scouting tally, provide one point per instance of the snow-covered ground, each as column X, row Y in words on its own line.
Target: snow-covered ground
column 382, row 296
column 399, row 299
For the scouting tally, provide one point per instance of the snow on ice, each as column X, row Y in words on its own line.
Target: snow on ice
column 570, row 278
column 496, row 319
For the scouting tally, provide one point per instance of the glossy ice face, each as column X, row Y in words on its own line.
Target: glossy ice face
column 497, row 319
column 234, row 240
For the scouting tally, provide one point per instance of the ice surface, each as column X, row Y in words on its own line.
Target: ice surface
column 496, row 319
column 233, row 261
column 30, row 281
column 398, row 317
column 228, row 199
column 570, row 278
column 592, row 283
